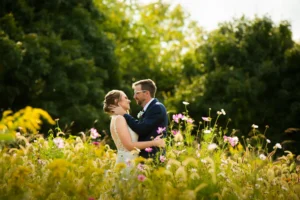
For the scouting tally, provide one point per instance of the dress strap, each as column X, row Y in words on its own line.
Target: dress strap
column 114, row 124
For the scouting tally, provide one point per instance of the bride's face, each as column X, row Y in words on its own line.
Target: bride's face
column 124, row 102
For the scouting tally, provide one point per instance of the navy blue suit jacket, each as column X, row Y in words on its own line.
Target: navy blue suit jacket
column 146, row 127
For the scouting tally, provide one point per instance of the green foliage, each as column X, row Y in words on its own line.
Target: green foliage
column 63, row 56
column 55, row 55
column 76, row 168
column 150, row 41
column 249, row 68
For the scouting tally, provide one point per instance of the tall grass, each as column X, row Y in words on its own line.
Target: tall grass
column 211, row 164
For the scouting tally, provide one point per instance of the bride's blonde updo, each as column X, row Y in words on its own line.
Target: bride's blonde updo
column 111, row 99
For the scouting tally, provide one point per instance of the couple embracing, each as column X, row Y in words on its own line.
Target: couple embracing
column 145, row 133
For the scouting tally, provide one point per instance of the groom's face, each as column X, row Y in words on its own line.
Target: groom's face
column 139, row 95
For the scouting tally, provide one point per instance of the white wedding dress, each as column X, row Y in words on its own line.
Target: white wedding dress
column 123, row 155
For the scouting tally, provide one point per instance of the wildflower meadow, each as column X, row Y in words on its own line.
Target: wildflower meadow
column 203, row 161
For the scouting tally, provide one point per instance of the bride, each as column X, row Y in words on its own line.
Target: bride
column 124, row 138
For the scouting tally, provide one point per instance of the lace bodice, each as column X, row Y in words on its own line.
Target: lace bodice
column 115, row 135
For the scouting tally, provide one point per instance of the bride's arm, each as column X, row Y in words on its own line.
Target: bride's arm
column 124, row 135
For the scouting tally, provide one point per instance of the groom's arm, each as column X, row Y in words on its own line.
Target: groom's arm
column 146, row 125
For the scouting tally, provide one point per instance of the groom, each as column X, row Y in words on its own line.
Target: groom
column 153, row 115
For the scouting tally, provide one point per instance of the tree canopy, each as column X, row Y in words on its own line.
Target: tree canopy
column 249, row 68
column 55, row 55
column 63, row 56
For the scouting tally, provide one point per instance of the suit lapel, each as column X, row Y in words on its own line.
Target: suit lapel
column 150, row 105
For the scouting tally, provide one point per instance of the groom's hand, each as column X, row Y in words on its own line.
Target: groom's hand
column 118, row 110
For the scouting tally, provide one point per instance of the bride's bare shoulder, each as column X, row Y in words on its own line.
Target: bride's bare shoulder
column 119, row 118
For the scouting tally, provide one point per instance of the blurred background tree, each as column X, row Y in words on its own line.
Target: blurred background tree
column 150, row 42
column 250, row 68
column 56, row 56
column 63, row 56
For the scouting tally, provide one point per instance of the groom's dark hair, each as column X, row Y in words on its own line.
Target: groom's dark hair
column 147, row 84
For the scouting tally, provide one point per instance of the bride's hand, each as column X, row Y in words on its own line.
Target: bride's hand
column 159, row 142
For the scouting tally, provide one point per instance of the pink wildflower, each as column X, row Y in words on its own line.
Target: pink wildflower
column 190, row 120
column 232, row 140
column 141, row 177
column 59, row 142
column 175, row 132
column 225, row 138
column 94, row 133
column 141, row 167
column 160, row 130
column 176, row 117
column 96, row 143
column 148, row 149
column 207, row 119
column 162, row 158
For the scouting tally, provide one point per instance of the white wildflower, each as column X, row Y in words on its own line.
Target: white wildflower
column 277, row 146
column 178, row 143
column 223, row 111
column 207, row 131
column 262, row 157
column 284, row 188
column 193, row 170
column 254, row 126
column 203, row 161
column 184, row 118
column 224, row 161
column 212, row 146
column 185, row 103
column 222, row 174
